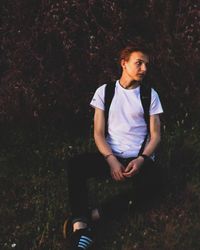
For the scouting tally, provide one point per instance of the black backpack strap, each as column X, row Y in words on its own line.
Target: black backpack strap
column 109, row 93
column 145, row 96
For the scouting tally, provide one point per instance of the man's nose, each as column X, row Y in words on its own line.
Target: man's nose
column 144, row 67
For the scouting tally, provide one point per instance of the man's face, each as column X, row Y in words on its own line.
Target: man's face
column 136, row 67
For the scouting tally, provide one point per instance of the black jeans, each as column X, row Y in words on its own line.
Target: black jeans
column 93, row 165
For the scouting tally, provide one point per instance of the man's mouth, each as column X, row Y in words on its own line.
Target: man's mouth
column 141, row 75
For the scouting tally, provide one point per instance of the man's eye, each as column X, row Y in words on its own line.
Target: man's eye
column 138, row 63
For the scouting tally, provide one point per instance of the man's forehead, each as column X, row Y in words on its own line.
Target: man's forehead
column 139, row 56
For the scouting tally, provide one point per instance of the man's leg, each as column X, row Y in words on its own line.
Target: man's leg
column 118, row 205
column 146, row 185
column 80, row 169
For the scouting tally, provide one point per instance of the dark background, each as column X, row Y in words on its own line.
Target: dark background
column 54, row 54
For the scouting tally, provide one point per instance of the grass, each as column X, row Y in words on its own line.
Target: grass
column 34, row 199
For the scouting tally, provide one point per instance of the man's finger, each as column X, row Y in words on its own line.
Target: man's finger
column 130, row 173
column 113, row 175
column 116, row 176
column 127, row 169
column 120, row 176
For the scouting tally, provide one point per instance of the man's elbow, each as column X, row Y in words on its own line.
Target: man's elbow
column 156, row 138
column 98, row 135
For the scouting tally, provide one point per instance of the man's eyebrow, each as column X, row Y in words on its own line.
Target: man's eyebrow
column 140, row 60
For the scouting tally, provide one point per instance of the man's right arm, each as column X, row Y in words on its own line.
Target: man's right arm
column 100, row 140
column 99, row 132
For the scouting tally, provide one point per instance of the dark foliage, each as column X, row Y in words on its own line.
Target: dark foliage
column 55, row 53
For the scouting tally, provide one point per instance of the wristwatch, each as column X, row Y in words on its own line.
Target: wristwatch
column 145, row 157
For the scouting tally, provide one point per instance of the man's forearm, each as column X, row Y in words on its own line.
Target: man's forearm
column 102, row 145
column 152, row 145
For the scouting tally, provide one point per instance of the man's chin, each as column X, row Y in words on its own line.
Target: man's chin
column 138, row 79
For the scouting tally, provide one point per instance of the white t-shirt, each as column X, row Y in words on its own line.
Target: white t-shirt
column 126, row 125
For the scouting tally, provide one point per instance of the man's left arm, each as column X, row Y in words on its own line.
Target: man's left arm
column 155, row 137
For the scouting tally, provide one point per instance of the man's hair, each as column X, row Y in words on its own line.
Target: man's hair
column 135, row 46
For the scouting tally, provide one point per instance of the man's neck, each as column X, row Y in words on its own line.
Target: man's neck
column 129, row 84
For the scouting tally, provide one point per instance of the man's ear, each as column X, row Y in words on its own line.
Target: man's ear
column 123, row 63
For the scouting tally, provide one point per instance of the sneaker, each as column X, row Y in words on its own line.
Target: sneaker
column 67, row 228
column 82, row 239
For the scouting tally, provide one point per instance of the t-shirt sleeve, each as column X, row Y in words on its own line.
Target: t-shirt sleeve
column 155, row 107
column 98, row 98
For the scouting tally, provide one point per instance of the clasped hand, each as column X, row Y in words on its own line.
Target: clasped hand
column 120, row 172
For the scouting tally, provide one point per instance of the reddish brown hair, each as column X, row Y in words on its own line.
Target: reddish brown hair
column 133, row 47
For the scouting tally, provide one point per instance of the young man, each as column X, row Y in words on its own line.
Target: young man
column 119, row 146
